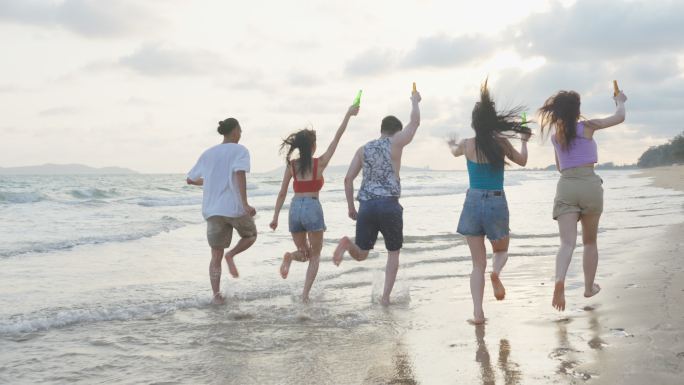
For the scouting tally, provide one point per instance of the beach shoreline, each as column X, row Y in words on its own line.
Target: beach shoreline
column 649, row 315
column 143, row 321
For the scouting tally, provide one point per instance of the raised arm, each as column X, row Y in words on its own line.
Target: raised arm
column 281, row 197
column 518, row 157
column 617, row 118
column 352, row 173
column 324, row 159
column 405, row 136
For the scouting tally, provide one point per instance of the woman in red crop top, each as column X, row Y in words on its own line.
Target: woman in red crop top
column 306, row 220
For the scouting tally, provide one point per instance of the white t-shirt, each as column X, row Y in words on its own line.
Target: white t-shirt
column 217, row 166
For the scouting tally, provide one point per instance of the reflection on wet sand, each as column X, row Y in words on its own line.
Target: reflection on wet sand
column 564, row 352
column 596, row 342
column 400, row 372
column 509, row 369
column 568, row 355
column 307, row 352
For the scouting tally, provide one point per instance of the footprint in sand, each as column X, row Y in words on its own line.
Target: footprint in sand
column 620, row 332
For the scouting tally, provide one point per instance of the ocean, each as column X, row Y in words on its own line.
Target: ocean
column 104, row 279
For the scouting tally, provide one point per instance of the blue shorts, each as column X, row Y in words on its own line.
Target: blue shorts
column 485, row 212
column 383, row 215
column 306, row 214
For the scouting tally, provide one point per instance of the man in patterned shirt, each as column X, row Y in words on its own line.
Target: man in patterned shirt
column 379, row 208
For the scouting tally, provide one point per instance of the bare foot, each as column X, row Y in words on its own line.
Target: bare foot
column 478, row 318
column 559, row 296
column 306, row 299
column 231, row 265
column 595, row 288
column 384, row 301
column 499, row 290
column 339, row 250
column 218, row 299
column 285, row 266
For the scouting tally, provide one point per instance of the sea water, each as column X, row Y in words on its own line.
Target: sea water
column 105, row 278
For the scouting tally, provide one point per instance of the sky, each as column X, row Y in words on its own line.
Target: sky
column 143, row 85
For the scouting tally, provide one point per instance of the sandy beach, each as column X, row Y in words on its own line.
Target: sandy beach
column 631, row 333
column 125, row 298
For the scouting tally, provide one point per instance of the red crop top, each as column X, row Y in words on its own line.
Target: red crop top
column 306, row 186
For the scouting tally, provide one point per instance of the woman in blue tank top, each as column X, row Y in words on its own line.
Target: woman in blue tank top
column 485, row 210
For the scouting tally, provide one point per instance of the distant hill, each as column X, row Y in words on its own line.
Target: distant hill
column 64, row 169
column 665, row 154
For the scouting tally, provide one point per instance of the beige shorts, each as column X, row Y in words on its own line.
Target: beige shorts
column 579, row 190
column 220, row 229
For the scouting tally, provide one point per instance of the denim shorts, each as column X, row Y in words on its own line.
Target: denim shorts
column 384, row 215
column 306, row 214
column 485, row 212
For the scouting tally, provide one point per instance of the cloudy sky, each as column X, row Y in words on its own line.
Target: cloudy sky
column 143, row 84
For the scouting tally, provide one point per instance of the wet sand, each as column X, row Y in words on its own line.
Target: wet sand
column 630, row 333
column 671, row 177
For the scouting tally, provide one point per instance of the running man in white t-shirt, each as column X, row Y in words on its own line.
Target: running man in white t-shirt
column 221, row 170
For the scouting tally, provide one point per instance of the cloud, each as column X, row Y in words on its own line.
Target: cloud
column 445, row 51
column 9, row 88
column 160, row 60
column 89, row 18
column 303, row 79
column 57, row 111
column 652, row 69
column 371, row 62
column 602, row 29
column 433, row 51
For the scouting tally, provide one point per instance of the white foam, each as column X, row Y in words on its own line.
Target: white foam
column 62, row 318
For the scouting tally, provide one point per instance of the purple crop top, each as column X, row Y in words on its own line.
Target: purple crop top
column 580, row 152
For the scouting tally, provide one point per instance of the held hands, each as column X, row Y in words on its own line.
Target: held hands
column 353, row 110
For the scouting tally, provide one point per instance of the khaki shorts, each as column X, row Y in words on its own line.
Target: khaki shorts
column 579, row 190
column 220, row 229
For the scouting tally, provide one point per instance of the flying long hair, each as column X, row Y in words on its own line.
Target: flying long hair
column 561, row 111
column 490, row 126
column 303, row 141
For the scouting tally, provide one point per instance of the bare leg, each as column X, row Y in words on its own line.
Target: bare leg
column 215, row 275
column 500, row 248
column 242, row 245
column 301, row 254
column 390, row 275
column 567, row 228
column 477, row 282
column 316, row 243
column 590, row 258
column 347, row 245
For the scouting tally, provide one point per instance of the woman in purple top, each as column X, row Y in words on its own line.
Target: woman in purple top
column 579, row 193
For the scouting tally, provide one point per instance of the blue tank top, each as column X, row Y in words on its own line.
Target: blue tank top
column 484, row 177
